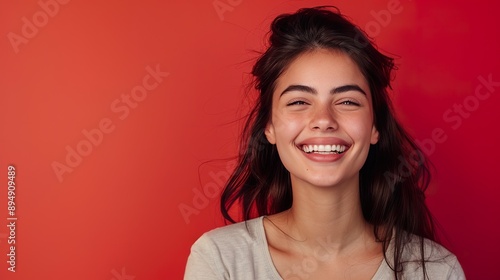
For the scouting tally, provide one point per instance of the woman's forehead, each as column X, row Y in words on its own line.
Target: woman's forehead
column 322, row 69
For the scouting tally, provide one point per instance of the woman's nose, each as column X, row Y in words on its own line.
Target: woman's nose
column 323, row 119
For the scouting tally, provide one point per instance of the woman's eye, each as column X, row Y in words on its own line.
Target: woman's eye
column 297, row 102
column 349, row 102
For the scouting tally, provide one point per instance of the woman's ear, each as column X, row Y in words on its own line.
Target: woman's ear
column 375, row 135
column 269, row 132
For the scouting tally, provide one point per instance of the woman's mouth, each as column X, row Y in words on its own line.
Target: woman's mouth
column 324, row 149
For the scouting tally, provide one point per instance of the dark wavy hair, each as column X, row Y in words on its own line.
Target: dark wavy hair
column 396, row 173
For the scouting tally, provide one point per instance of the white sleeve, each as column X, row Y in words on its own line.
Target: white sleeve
column 456, row 271
column 202, row 261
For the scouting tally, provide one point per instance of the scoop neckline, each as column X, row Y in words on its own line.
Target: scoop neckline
column 262, row 232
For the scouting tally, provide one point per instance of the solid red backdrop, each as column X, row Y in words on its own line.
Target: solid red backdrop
column 119, row 117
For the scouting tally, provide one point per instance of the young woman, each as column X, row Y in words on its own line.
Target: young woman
column 329, row 184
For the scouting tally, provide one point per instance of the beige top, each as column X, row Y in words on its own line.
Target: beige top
column 240, row 251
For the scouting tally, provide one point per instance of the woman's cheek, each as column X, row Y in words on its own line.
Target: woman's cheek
column 292, row 126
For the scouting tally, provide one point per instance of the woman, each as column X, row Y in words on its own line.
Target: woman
column 329, row 184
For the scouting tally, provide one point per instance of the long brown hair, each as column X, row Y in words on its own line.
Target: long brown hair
column 395, row 175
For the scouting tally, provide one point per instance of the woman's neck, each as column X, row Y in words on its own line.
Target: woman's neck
column 330, row 216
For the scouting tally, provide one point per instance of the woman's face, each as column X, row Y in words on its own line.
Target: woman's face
column 322, row 119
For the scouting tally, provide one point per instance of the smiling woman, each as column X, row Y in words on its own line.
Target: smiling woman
column 312, row 181
column 321, row 100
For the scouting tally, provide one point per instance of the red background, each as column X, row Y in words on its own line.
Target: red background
column 117, row 213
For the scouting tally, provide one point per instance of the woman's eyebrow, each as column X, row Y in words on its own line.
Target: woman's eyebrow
column 347, row 88
column 311, row 90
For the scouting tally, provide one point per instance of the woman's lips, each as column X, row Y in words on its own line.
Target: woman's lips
column 324, row 149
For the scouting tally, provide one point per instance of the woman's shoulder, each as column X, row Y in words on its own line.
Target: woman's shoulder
column 228, row 237
column 440, row 263
column 238, row 250
column 248, row 230
column 432, row 250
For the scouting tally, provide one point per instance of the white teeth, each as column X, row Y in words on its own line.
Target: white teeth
column 324, row 149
